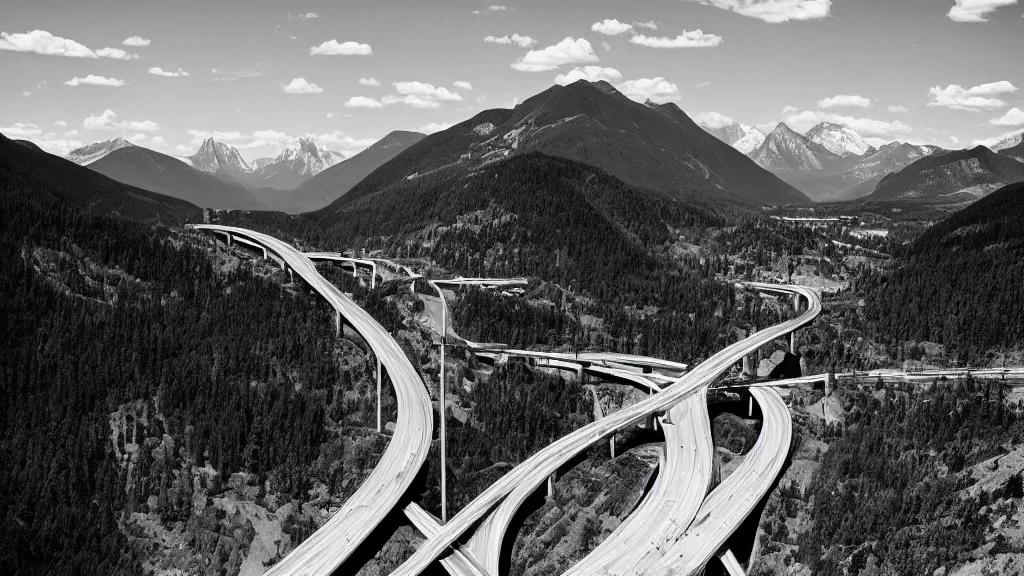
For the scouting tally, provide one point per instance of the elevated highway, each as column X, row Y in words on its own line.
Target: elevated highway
column 334, row 542
column 534, row 470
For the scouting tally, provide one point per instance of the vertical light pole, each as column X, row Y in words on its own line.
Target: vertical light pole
column 484, row 283
column 444, row 427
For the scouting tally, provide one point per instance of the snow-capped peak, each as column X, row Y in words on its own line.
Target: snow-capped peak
column 744, row 138
column 786, row 149
column 838, row 139
column 93, row 152
column 751, row 140
column 1008, row 141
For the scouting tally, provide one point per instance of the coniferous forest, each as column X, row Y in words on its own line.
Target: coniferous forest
column 114, row 331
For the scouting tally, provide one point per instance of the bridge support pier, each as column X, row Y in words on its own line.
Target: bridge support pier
column 551, row 486
column 828, row 384
column 611, row 445
column 750, row 407
column 792, row 342
column 380, row 427
column 337, row 326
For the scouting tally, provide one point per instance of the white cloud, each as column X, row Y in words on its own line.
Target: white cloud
column 775, row 11
column 116, row 54
column 789, row 110
column 300, row 86
column 568, row 51
column 93, row 80
column 186, row 150
column 590, row 74
column 330, row 114
column 496, row 8
column 137, row 138
column 362, row 102
column 650, row 25
column 804, row 121
column 369, row 82
column 521, row 41
column 334, row 48
column 845, row 101
column 1013, row 117
column 606, row 45
column 156, row 70
column 42, row 42
column 48, row 141
column 976, row 10
column 692, row 39
column 427, row 92
column 136, row 41
column 158, row 142
column 71, row 133
column 413, row 100
column 462, row 84
column 611, row 27
column 26, row 93
column 22, row 130
column 714, row 120
column 308, row 16
column 60, row 124
column 972, row 99
column 704, row 84
column 108, row 121
column 435, row 127
column 656, row 89
column 898, row 109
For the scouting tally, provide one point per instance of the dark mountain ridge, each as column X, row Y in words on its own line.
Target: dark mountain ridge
column 46, row 179
column 950, row 178
column 594, row 124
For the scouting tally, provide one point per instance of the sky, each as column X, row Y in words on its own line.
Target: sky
column 258, row 74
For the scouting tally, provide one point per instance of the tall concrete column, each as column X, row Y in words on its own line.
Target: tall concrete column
column 337, row 323
column 551, row 485
column 611, row 445
column 792, row 342
column 750, row 407
column 380, row 427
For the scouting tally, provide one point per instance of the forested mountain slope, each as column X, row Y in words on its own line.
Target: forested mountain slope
column 961, row 283
column 144, row 389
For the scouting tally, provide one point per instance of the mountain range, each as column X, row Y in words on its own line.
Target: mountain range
column 653, row 146
column 48, row 180
column 151, row 170
column 657, row 147
column 217, row 176
column 951, row 178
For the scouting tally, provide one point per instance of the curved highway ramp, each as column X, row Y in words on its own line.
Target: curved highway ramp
column 324, row 551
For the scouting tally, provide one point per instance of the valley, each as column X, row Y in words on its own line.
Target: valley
column 777, row 352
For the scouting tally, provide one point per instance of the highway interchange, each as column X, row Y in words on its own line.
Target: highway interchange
column 675, row 530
